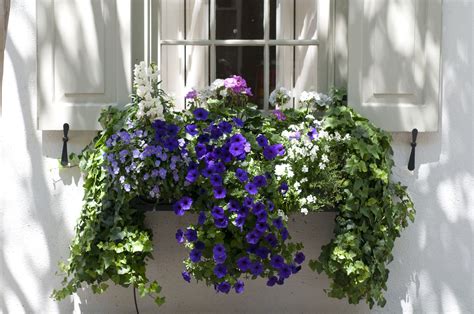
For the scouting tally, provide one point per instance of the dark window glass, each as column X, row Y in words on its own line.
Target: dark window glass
column 248, row 63
column 239, row 19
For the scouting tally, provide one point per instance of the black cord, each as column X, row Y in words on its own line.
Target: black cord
column 135, row 299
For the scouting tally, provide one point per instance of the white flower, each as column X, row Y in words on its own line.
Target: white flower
column 304, row 169
column 324, row 158
column 304, row 211
column 322, row 166
column 279, row 96
column 216, row 84
column 282, row 215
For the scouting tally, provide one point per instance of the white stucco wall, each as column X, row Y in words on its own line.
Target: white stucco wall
column 433, row 267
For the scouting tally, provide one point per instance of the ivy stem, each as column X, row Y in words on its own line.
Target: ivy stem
column 135, row 299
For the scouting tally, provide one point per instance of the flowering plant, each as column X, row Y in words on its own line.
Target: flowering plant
column 239, row 232
column 242, row 173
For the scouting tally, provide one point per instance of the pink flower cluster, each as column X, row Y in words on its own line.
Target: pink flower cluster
column 238, row 85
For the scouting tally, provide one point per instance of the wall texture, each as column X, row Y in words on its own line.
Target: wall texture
column 433, row 267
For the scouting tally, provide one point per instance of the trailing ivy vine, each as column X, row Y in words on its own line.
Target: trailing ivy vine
column 111, row 241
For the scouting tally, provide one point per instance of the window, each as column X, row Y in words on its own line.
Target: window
column 270, row 43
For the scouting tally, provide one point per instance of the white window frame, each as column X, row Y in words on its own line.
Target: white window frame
column 154, row 39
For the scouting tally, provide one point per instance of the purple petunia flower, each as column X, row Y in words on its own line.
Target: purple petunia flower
column 295, row 269
column 200, row 149
column 256, row 268
column 262, row 252
column 243, row 263
column 260, row 181
column 239, row 286
column 217, row 212
column 237, row 149
column 191, row 235
column 195, row 255
column 262, row 141
column 239, row 221
column 220, row 271
column 313, row 133
column 216, row 180
column 179, row 236
column 279, row 115
column 191, row 129
column 299, row 258
column 248, row 201
column 238, row 122
column 283, row 188
column 285, row 271
column 226, row 127
column 199, row 245
column 284, row 234
column 224, row 287
column 221, row 222
column 238, row 138
column 277, row 261
column 272, row 240
column 200, row 114
column 272, row 281
column 201, row 218
column 219, row 253
column 186, row 276
column 219, row 192
column 186, row 202
column 251, row 188
column 261, row 226
column 252, row 237
column 178, row 209
column 233, row 205
column 192, row 94
column 241, row 174
column 278, row 223
column 272, row 151
column 192, row 175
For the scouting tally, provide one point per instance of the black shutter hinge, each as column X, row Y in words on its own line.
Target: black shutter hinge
column 411, row 162
column 64, row 159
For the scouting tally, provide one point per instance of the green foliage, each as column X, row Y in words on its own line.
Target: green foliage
column 111, row 241
column 371, row 213
column 347, row 169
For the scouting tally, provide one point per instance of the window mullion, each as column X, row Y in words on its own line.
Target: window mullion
column 212, row 47
column 266, row 53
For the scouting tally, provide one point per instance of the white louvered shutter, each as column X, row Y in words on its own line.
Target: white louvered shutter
column 84, row 60
column 394, row 62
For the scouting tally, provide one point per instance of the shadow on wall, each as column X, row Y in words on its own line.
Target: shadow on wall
column 433, row 264
column 34, row 187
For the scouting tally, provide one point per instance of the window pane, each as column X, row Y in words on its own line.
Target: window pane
column 306, row 19
column 246, row 62
column 182, row 19
column 172, row 72
column 306, row 70
column 197, row 67
column 239, row 19
column 281, row 19
column 295, row 19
